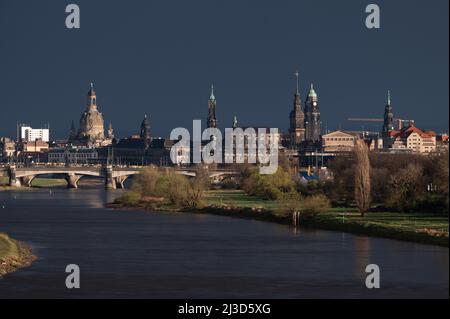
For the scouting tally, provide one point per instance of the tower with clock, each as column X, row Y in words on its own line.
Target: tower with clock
column 312, row 118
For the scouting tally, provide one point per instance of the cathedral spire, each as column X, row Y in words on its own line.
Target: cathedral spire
column 389, row 97
column 212, row 97
column 297, row 77
column 212, row 120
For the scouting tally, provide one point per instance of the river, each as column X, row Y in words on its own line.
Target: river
column 133, row 254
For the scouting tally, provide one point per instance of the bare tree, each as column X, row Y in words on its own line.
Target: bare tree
column 362, row 177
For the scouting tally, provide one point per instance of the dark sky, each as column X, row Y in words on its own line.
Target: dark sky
column 160, row 57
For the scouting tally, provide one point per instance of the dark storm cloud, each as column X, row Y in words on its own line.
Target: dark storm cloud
column 160, row 58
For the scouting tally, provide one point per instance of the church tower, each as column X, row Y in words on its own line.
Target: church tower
column 297, row 119
column 312, row 121
column 73, row 132
column 388, row 124
column 145, row 129
column 91, row 122
column 212, row 120
column 110, row 131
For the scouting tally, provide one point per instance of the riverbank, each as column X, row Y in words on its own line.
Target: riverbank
column 13, row 255
column 37, row 183
column 419, row 228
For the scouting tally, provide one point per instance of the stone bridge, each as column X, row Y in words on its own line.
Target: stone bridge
column 114, row 177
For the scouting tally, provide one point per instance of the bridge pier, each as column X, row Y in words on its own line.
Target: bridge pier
column 27, row 180
column 13, row 180
column 110, row 181
column 120, row 182
column 72, row 180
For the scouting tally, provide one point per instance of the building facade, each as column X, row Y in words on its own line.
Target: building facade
column 338, row 141
column 29, row 134
column 35, row 146
column 7, row 149
column 75, row 155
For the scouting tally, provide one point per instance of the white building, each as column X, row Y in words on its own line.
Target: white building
column 29, row 134
column 414, row 139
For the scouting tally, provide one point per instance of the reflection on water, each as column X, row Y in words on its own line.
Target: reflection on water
column 362, row 257
column 166, row 255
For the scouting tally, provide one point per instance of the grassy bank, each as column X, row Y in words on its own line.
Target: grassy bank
column 37, row 182
column 422, row 228
column 4, row 180
column 49, row 182
column 13, row 255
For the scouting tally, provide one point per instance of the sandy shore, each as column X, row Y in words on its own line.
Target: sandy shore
column 20, row 256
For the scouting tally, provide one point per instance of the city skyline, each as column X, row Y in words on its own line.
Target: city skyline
column 167, row 75
column 133, row 131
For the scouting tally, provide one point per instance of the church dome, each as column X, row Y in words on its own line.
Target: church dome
column 91, row 121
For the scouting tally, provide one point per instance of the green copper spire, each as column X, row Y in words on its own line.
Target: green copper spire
column 389, row 98
column 312, row 93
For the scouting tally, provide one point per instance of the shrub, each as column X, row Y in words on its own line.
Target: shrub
column 156, row 188
column 269, row 187
column 308, row 207
column 130, row 198
column 289, row 203
column 145, row 183
column 406, row 188
column 314, row 205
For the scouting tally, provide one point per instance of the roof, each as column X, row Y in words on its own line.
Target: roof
column 340, row 134
column 408, row 130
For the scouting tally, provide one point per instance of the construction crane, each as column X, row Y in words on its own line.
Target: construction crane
column 400, row 122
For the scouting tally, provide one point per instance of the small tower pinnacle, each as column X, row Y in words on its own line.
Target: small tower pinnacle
column 235, row 122
column 212, row 97
column 297, row 76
